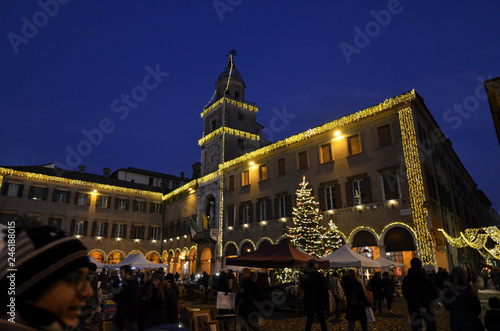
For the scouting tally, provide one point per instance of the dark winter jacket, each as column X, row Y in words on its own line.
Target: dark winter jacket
column 376, row 285
column 355, row 298
column 418, row 290
column 127, row 302
column 388, row 285
column 492, row 320
column 162, row 312
column 464, row 306
column 249, row 297
column 315, row 291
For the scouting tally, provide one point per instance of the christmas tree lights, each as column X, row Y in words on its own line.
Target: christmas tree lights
column 331, row 239
column 308, row 231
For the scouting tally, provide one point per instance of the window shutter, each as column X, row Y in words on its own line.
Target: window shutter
column 348, row 191
column 132, row 232
column 113, row 231
column 134, row 205
column 59, row 224
column 250, row 213
column 72, row 227
column 338, row 196
column 45, row 193
column 54, row 195
column 368, row 190
column 5, row 188
column 288, row 200
column 151, row 208
column 276, row 208
column 85, row 226
column 269, row 215
column 143, row 229
column 108, row 202
column 77, row 195
column 92, row 232
column 116, row 203
column 321, row 197
column 31, row 192
column 125, row 231
column 68, row 196
column 240, row 220
column 127, row 201
column 20, row 191
column 89, row 199
column 150, row 233
column 105, row 234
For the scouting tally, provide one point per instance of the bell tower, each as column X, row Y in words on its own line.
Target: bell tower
column 230, row 128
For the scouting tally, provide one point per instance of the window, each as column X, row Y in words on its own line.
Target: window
column 82, row 199
column 302, row 160
column 358, row 192
column 103, row 202
column 56, row 223
column 121, row 204
column 263, row 208
column 155, row 208
column 100, row 229
column 138, row 232
column 326, row 153
column 263, row 172
column 240, row 116
column 155, row 231
column 281, row 167
column 139, row 205
column 384, row 135
column 120, row 230
column 241, row 144
column 13, row 190
column 390, row 183
column 245, row 178
column 79, row 228
column 330, row 197
column 282, row 207
column 38, row 193
column 353, row 145
column 230, row 184
column 213, row 125
column 246, row 213
column 150, row 180
column 61, row 196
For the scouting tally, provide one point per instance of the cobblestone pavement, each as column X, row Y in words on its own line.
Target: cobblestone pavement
column 295, row 321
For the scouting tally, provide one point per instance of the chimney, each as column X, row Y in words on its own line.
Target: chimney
column 182, row 174
column 106, row 172
column 81, row 169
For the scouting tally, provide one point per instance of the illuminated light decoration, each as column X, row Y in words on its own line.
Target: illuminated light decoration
column 246, row 241
column 230, row 243
column 135, row 251
column 230, row 72
column 359, row 228
column 425, row 247
column 263, row 223
column 226, row 130
column 472, row 238
column 230, row 228
column 245, row 225
column 307, row 232
column 90, row 185
column 332, row 238
column 261, row 240
column 239, row 104
column 401, row 224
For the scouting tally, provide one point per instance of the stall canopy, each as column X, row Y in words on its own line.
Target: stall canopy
column 386, row 263
column 99, row 264
column 135, row 261
column 276, row 256
column 346, row 257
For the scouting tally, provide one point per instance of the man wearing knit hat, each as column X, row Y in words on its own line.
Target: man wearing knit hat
column 44, row 278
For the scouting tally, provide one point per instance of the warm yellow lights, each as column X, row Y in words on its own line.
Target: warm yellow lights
column 263, row 223
column 136, row 240
column 230, row 131
column 240, row 104
column 118, row 239
column 251, row 163
column 283, row 219
column 230, row 228
column 98, row 238
column 245, row 225
column 425, row 248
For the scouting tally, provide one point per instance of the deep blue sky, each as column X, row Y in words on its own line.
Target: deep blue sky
column 65, row 77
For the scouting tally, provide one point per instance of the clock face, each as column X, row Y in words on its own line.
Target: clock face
column 212, row 158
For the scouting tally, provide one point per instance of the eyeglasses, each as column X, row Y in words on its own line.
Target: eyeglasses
column 79, row 281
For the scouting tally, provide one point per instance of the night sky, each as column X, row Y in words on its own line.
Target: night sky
column 122, row 84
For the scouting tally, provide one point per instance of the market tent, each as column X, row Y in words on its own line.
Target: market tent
column 276, row 256
column 386, row 263
column 135, row 261
column 99, row 264
column 345, row 257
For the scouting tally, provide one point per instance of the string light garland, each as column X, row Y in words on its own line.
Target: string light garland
column 66, row 181
column 331, row 239
column 474, row 238
column 240, row 104
column 425, row 247
column 226, row 130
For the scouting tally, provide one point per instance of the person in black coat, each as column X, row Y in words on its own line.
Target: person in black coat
column 356, row 300
column 462, row 302
column 388, row 290
column 420, row 293
column 249, row 297
column 492, row 317
column 163, row 308
column 127, row 299
column 315, row 294
column 375, row 285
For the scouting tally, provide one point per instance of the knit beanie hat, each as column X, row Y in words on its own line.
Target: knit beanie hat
column 42, row 256
column 158, row 275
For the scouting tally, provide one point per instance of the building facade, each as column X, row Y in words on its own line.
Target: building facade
column 386, row 176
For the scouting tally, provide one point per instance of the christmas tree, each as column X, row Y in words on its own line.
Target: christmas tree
column 331, row 239
column 307, row 232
